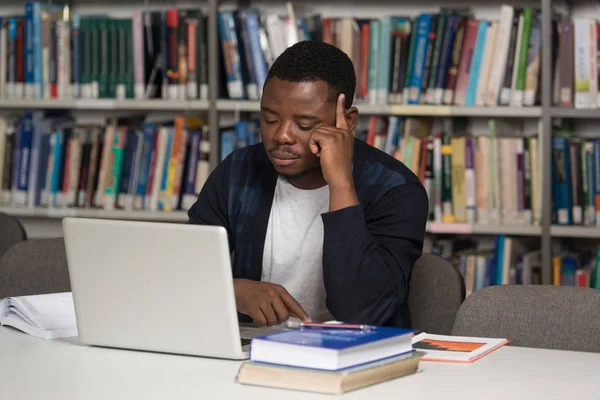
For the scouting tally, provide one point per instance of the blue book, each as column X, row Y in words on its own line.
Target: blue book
column 228, row 140
column 561, row 180
column 330, row 349
column 146, row 158
column 233, row 67
column 422, row 42
column 38, row 82
column 29, row 50
column 258, row 58
column 241, row 134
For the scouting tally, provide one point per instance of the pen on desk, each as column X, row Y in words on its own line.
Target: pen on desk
column 296, row 324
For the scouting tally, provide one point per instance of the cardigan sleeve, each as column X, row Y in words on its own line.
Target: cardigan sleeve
column 211, row 206
column 368, row 259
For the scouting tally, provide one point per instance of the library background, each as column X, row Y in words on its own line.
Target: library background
column 121, row 109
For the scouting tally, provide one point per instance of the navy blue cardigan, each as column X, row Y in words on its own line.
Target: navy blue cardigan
column 369, row 249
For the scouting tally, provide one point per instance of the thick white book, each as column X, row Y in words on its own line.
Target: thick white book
column 46, row 316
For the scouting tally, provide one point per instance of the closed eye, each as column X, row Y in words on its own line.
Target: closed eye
column 271, row 122
column 305, row 128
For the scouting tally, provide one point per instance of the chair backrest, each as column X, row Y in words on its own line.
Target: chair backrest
column 35, row 266
column 11, row 232
column 549, row 317
column 435, row 294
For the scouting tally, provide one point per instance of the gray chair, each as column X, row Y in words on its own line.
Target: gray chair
column 436, row 291
column 549, row 317
column 35, row 266
column 11, row 232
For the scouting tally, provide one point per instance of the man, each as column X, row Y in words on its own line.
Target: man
column 322, row 225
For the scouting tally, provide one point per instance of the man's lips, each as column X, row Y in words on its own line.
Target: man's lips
column 283, row 158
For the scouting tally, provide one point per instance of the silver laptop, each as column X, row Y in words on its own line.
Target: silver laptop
column 150, row 286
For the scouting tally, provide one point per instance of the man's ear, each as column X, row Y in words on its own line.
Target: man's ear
column 352, row 117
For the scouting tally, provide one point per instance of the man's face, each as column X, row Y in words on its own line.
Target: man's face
column 289, row 113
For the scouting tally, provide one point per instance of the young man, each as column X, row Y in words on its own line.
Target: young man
column 322, row 225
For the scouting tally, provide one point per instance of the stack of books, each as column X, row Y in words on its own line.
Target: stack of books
column 330, row 360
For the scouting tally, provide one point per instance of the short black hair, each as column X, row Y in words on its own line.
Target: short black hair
column 312, row 61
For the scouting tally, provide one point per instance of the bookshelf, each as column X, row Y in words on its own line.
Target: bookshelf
column 217, row 108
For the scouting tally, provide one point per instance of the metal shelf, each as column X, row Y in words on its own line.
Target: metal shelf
column 58, row 213
column 563, row 112
column 407, row 110
column 105, row 104
column 480, row 229
column 575, row 231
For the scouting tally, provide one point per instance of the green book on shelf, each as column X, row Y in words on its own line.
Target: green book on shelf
column 523, row 56
column 108, row 76
column 411, row 56
column 129, row 74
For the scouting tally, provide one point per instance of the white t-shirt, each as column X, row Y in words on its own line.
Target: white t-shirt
column 293, row 252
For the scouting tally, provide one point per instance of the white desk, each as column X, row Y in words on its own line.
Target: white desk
column 33, row 369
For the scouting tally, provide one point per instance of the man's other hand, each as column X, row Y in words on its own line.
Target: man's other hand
column 266, row 303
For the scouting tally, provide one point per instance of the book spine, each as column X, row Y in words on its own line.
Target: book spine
column 447, row 206
column 229, row 42
column 532, row 74
column 374, row 42
column 501, row 54
column 53, row 43
column 422, row 43
column 474, row 69
column 411, row 57
column 445, row 59
column 520, row 162
column 588, row 181
column 437, row 55
column 576, row 179
column 29, row 78
column 191, row 91
column 138, row 54
column 38, row 88
column 566, row 63
column 561, row 181
column 20, row 59
column 511, row 59
column 452, row 74
column 518, row 94
column 34, row 164
column 246, row 59
column 528, row 184
column 466, row 60
column 582, row 61
column 172, row 53
column 471, row 198
column 593, row 65
column 428, row 66
column 383, row 76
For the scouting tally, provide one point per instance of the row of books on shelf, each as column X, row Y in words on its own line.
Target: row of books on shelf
column 514, row 261
column 50, row 161
column 487, row 179
column 47, row 53
column 448, row 58
column 575, row 179
column 435, row 58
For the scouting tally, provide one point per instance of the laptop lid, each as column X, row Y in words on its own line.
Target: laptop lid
column 153, row 286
